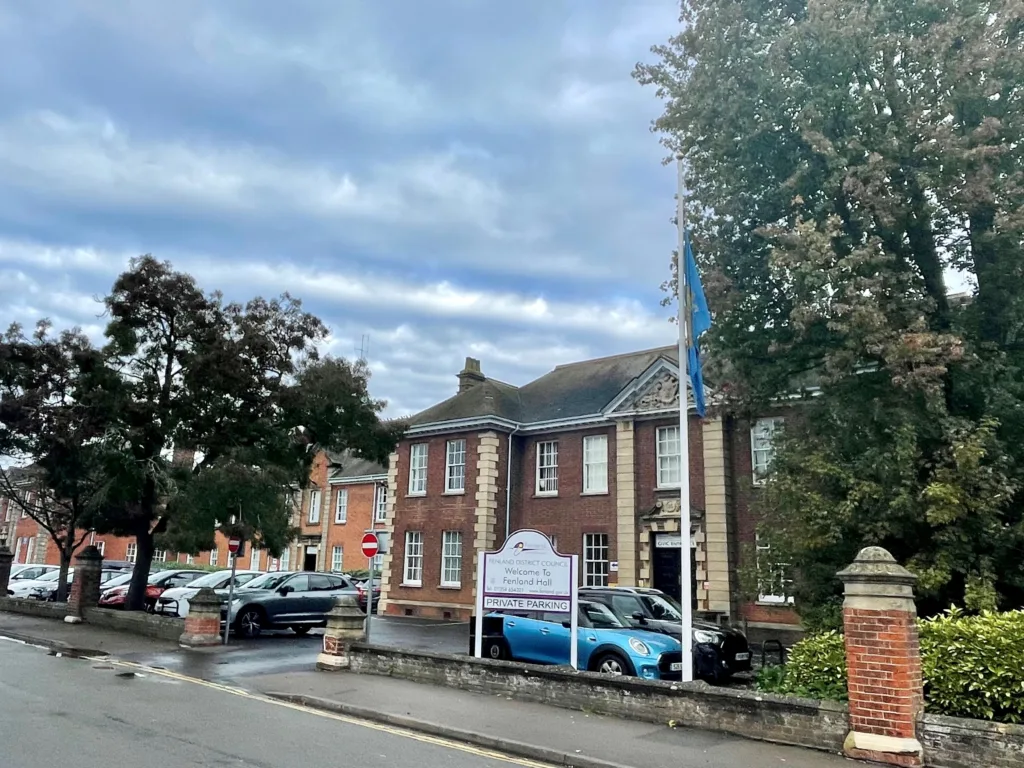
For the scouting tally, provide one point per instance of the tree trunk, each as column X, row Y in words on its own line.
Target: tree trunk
column 67, row 551
column 136, row 600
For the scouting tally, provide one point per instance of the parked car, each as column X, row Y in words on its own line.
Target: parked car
column 48, row 591
column 175, row 601
column 718, row 652
column 296, row 599
column 156, row 584
column 603, row 644
column 363, row 588
column 23, row 587
column 27, row 572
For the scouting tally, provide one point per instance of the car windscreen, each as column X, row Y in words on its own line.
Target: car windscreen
column 214, row 580
column 269, row 580
column 51, row 576
column 663, row 607
column 600, row 616
column 118, row 581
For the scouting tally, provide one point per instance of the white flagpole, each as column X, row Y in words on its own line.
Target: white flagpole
column 686, row 599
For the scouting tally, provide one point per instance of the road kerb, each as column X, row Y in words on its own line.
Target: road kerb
column 485, row 741
column 52, row 645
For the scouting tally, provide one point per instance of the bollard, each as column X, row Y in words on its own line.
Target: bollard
column 6, row 559
column 883, row 660
column 202, row 625
column 85, row 589
column 345, row 625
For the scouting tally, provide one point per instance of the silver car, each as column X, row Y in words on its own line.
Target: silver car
column 296, row 599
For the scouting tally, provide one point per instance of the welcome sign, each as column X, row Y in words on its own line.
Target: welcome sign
column 527, row 574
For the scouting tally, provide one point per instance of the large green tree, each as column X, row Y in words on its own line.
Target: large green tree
column 217, row 407
column 843, row 158
column 49, row 460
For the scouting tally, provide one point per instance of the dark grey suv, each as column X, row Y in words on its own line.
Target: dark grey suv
column 296, row 599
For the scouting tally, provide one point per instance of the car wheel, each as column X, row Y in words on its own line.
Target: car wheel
column 300, row 631
column 249, row 623
column 613, row 664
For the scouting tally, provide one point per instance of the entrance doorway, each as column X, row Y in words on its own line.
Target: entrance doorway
column 309, row 561
column 666, row 571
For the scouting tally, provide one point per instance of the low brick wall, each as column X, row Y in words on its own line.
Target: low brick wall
column 33, row 608
column 146, row 624
column 784, row 720
column 952, row 742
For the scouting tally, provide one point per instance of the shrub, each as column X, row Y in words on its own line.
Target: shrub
column 816, row 669
column 974, row 665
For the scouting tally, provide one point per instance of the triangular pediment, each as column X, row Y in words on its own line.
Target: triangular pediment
column 655, row 390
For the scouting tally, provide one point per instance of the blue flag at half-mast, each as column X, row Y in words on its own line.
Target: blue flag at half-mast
column 698, row 320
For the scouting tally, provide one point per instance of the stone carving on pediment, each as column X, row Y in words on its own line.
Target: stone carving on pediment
column 661, row 393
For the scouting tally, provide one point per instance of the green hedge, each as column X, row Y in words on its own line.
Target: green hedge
column 973, row 666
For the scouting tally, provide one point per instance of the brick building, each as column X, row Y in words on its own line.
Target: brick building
column 345, row 496
column 589, row 454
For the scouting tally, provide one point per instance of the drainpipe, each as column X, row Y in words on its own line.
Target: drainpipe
column 508, row 486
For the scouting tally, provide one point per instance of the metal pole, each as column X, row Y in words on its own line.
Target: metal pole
column 369, row 596
column 231, row 597
column 686, row 599
column 574, row 617
column 478, row 641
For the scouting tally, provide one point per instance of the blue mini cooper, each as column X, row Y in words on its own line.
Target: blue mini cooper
column 604, row 643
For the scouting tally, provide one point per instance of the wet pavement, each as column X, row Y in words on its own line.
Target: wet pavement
column 282, row 652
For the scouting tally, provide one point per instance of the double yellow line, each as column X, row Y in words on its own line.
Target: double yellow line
column 403, row 732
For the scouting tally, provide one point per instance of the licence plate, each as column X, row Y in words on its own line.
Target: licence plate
column 675, row 666
column 742, row 657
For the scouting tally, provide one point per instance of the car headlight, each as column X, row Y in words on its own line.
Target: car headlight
column 639, row 647
column 702, row 636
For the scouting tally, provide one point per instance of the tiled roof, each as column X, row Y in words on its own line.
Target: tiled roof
column 347, row 465
column 569, row 391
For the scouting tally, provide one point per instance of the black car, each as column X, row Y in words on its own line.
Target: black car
column 718, row 652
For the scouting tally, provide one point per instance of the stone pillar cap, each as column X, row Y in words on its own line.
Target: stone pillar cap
column 875, row 565
column 205, row 596
column 89, row 553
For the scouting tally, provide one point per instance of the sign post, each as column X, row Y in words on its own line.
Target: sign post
column 527, row 574
column 236, row 549
column 370, row 545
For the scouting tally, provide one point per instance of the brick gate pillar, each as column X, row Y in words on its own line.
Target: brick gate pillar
column 346, row 624
column 6, row 558
column 85, row 589
column 883, row 660
column 202, row 624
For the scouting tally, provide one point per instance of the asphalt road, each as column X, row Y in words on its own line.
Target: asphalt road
column 277, row 652
column 91, row 714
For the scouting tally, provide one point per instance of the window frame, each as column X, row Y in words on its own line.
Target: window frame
column 589, row 548
column 774, row 424
column 661, row 457
column 417, row 470
column 551, row 453
column 313, row 513
column 214, row 556
column 131, row 552
column 453, row 538
column 337, row 558
column 777, row 575
column 450, row 465
column 380, row 503
column 603, row 439
column 408, row 564
column 340, row 508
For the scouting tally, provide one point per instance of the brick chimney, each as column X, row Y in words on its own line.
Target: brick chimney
column 470, row 376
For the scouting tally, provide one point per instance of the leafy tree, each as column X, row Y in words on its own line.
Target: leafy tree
column 843, row 157
column 46, row 425
column 217, row 407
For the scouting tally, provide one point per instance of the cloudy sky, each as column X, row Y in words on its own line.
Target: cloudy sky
column 450, row 178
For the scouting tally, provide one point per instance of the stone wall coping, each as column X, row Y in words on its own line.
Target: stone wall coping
column 945, row 722
column 663, row 687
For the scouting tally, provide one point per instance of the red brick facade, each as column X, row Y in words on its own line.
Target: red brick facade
column 645, row 404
